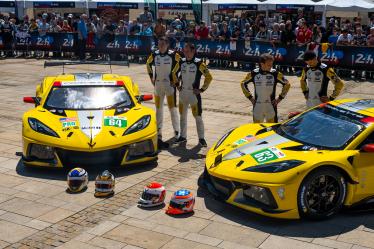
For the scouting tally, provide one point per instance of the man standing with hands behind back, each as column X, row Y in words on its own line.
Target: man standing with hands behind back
column 166, row 63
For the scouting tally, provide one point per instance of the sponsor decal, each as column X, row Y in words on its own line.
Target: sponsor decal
column 266, row 155
column 68, row 122
column 243, row 140
column 120, row 122
column 88, row 83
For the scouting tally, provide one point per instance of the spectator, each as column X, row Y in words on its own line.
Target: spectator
column 316, row 35
column 176, row 22
column 135, row 28
column 242, row 21
column 263, row 34
column 82, row 36
column 248, row 33
column 170, row 34
column 66, row 27
column 147, row 29
column 202, row 32
column 333, row 38
column 159, row 30
column 275, row 34
column 43, row 27
column 344, row 38
column 214, row 32
column 370, row 38
column 359, row 39
column 179, row 34
column 303, row 33
column 54, row 27
column 224, row 34
column 121, row 29
column 190, row 32
column 146, row 16
column 33, row 28
column 91, row 33
column 184, row 21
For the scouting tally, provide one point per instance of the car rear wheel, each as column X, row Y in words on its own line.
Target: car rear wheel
column 321, row 194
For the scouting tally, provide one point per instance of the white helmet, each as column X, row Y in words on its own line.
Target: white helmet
column 77, row 180
column 153, row 195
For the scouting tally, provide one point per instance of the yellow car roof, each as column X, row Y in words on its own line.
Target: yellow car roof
column 362, row 106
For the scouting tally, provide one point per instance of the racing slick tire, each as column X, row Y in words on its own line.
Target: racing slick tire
column 321, row 194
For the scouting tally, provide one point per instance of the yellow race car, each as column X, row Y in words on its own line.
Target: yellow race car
column 88, row 119
column 309, row 166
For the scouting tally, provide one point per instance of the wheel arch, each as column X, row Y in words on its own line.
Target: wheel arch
column 347, row 175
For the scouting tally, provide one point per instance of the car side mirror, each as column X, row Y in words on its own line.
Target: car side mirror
column 368, row 148
column 31, row 100
column 145, row 97
column 293, row 114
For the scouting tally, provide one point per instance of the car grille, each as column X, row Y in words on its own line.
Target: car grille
column 224, row 187
column 72, row 158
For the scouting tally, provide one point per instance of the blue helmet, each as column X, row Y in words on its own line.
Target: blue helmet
column 77, row 180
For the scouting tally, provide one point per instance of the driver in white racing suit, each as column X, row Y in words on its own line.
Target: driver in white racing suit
column 166, row 63
column 265, row 80
column 192, row 69
column 315, row 79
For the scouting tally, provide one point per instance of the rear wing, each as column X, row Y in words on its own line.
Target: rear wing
column 64, row 63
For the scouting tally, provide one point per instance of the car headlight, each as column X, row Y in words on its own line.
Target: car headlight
column 38, row 126
column 138, row 125
column 275, row 167
column 222, row 139
column 260, row 194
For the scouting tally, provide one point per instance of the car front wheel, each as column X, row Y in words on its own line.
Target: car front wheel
column 321, row 194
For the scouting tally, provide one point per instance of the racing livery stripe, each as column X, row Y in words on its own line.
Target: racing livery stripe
column 358, row 105
column 90, row 122
column 256, row 145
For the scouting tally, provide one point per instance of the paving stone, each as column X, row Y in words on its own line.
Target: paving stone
column 231, row 245
column 106, row 243
column 247, row 237
column 103, row 227
column 360, row 238
column 138, row 237
column 139, row 213
column 331, row 243
column 15, row 218
column 74, row 244
column 56, row 215
column 11, row 232
column 3, row 244
column 178, row 243
column 277, row 242
column 85, row 237
column 190, row 224
column 145, row 224
column 203, row 239
column 172, row 231
column 38, row 224
column 25, row 207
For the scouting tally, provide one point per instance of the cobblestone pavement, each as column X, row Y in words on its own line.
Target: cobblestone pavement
column 36, row 212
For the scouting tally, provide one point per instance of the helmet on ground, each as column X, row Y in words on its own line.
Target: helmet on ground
column 77, row 180
column 181, row 202
column 153, row 195
column 104, row 184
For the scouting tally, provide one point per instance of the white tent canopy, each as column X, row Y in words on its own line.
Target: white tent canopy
column 348, row 5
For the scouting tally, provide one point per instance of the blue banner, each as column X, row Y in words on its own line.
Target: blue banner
column 45, row 4
column 117, row 5
column 175, row 6
column 349, row 57
column 237, row 6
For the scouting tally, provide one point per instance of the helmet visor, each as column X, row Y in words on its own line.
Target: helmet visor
column 103, row 186
column 75, row 184
column 173, row 204
column 150, row 197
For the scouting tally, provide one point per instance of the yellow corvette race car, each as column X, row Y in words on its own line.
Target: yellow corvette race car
column 309, row 166
column 88, row 119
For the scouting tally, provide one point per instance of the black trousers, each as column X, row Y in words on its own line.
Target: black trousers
column 82, row 49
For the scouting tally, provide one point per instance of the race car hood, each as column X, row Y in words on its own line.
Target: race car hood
column 88, row 129
column 253, row 145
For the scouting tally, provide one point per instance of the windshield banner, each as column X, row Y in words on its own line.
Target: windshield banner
column 349, row 57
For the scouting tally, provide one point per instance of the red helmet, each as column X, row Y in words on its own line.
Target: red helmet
column 153, row 195
column 181, row 202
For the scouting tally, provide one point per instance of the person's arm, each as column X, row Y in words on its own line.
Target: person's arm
column 303, row 84
column 207, row 76
column 175, row 70
column 338, row 83
column 285, row 85
column 244, row 84
column 149, row 64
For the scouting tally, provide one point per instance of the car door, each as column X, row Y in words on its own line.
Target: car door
column 364, row 163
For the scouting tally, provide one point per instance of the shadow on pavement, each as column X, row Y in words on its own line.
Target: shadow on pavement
column 186, row 154
column 345, row 221
column 60, row 174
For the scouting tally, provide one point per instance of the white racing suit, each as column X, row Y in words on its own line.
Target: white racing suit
column 165, row 76
column 191, row 72
column 265, row 89
column 314, row 83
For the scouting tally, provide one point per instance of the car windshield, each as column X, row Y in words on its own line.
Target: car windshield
column 88, row 98
column 326, row 127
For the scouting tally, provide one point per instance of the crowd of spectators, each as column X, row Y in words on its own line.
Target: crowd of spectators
column 301, row 30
